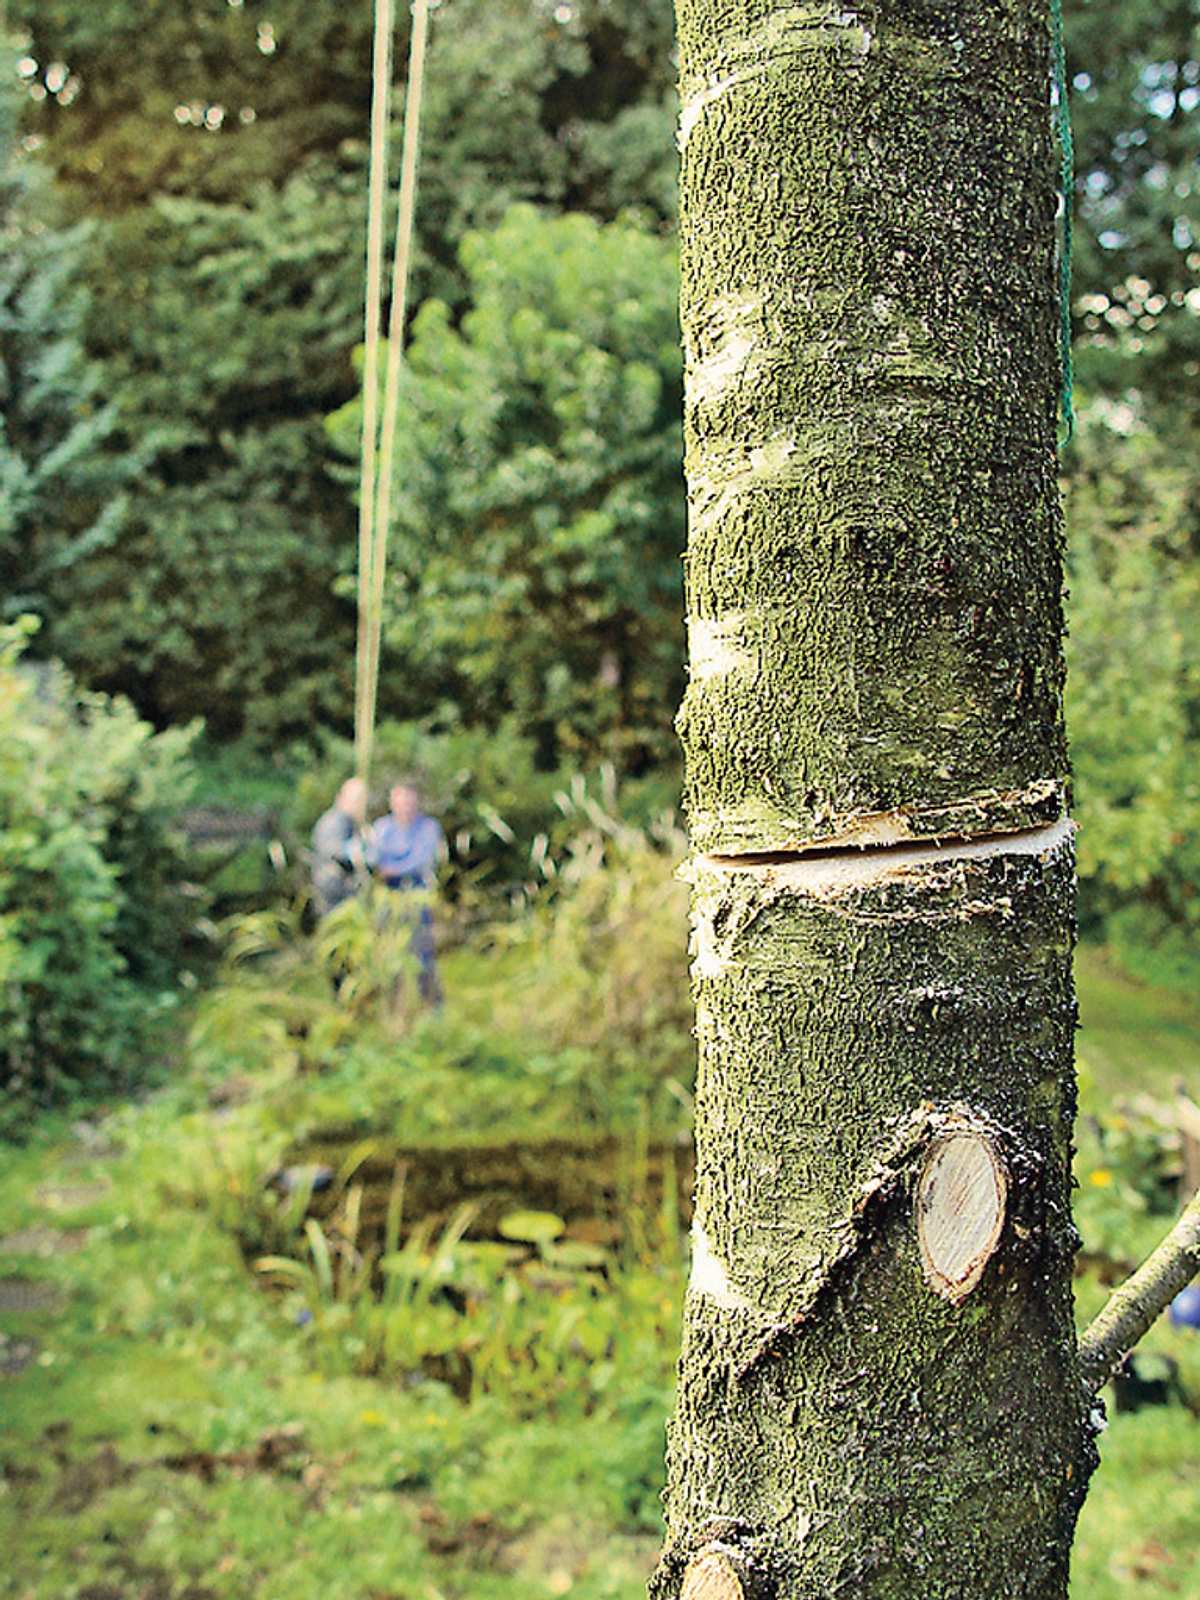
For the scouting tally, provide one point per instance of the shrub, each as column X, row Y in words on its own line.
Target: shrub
column 534, row 570
column 1133, row 698
column 92, row 922
column 596, row 965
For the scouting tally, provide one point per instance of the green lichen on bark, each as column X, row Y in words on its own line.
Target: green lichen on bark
column 874, row 565
column 880, row 1392
column 846, row 1427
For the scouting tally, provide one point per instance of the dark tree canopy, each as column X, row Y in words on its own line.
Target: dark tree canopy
column 181, row 302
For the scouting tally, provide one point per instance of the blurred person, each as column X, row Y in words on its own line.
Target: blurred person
column 339, row 858
column 405, row 848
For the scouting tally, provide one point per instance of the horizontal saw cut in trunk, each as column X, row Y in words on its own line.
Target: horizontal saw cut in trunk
column 880, row 1392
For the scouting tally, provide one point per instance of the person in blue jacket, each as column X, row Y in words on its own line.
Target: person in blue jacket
column 406, row 847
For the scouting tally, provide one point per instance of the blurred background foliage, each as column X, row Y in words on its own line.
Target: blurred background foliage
column 356, row 1290
column 540, row 515
column 182, row 203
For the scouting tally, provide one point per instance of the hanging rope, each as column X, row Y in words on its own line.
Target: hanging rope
column 1066, row 149
column 391, row 399
column 381, row 98
column 378, row 442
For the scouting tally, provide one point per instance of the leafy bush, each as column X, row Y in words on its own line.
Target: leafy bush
column 1128, row 1167
column 92, row 921
column 540, row 505
column 597, row 964
column 1134, row 696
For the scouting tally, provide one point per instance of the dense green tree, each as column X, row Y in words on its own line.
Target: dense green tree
column 566, row 104
column 1135, row 100
column 92, row 924
column 213, row 591
column 540, row 519
column 140, row 98
column 221, row 324
column 1131, row 476
column 60, row 487
column 1133, row 692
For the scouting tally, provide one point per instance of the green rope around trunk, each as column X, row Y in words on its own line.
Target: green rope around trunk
column 1067, row 154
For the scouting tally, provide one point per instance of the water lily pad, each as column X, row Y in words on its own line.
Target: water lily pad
column 574, row 1255
column 532, row 1227
column 490, row 1253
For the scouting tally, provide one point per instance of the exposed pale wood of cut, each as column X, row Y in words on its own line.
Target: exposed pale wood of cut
column 961, row 1199
column 712, row 1576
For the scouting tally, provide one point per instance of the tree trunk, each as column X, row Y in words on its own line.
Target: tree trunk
column 880, row 1393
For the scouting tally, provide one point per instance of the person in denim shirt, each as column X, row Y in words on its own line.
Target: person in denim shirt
column 405, row 849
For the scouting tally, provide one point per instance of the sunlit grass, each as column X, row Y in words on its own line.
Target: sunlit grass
column 1133, row 1039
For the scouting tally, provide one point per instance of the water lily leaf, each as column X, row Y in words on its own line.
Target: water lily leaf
column 575, row 1255
column 532, row 1227
column 491, row 1253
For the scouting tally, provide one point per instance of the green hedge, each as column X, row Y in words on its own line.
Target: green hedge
column 92, row 920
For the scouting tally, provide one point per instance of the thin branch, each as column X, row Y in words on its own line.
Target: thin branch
column 1141, row 1299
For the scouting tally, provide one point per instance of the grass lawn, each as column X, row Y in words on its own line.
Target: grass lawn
column 172, row 1432
column 1133, row 1040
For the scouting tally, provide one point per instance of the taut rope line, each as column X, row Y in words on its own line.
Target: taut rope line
column 395, row 354
column 379, row 439
column 381, row 97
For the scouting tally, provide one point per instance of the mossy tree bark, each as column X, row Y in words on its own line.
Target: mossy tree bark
column 880, row 1392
